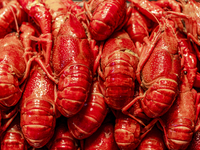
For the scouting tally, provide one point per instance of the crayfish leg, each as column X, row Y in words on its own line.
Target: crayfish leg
column 129, row 105
column 47, row 39
column 165, row 132
column 10, row 116
column 148, row 127
column 97, row 57
column 88, row 13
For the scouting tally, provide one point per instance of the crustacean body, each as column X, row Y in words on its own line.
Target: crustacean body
column 190, row 16
column 37, row 105
column 117, row 68
column 38, row 112
column 153, row 140
column 179, row 122
column 12, row 69
column 137, row 26
column 158, row 71
column 72, row 61
column 149, row 9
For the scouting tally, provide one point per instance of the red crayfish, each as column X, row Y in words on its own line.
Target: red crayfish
column 117, row 68
column 137, row 26
column 153, row 140
column 158, row 71
column 38, row 99
column 129, row 132
column 38, row 111
column 180, row 120
column 72, row 61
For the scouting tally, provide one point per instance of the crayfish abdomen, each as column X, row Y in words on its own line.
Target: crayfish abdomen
column 127, row 132
column 62, row 138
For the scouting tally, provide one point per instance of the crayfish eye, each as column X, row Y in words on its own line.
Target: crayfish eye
column 185, row 72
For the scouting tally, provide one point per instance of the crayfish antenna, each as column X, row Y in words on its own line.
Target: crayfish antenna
column 16, row 23
column 87, row 12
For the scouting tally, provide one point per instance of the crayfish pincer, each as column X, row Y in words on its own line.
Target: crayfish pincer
column 72, row 63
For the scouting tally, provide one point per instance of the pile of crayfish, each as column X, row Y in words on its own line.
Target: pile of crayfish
column 99, row 74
